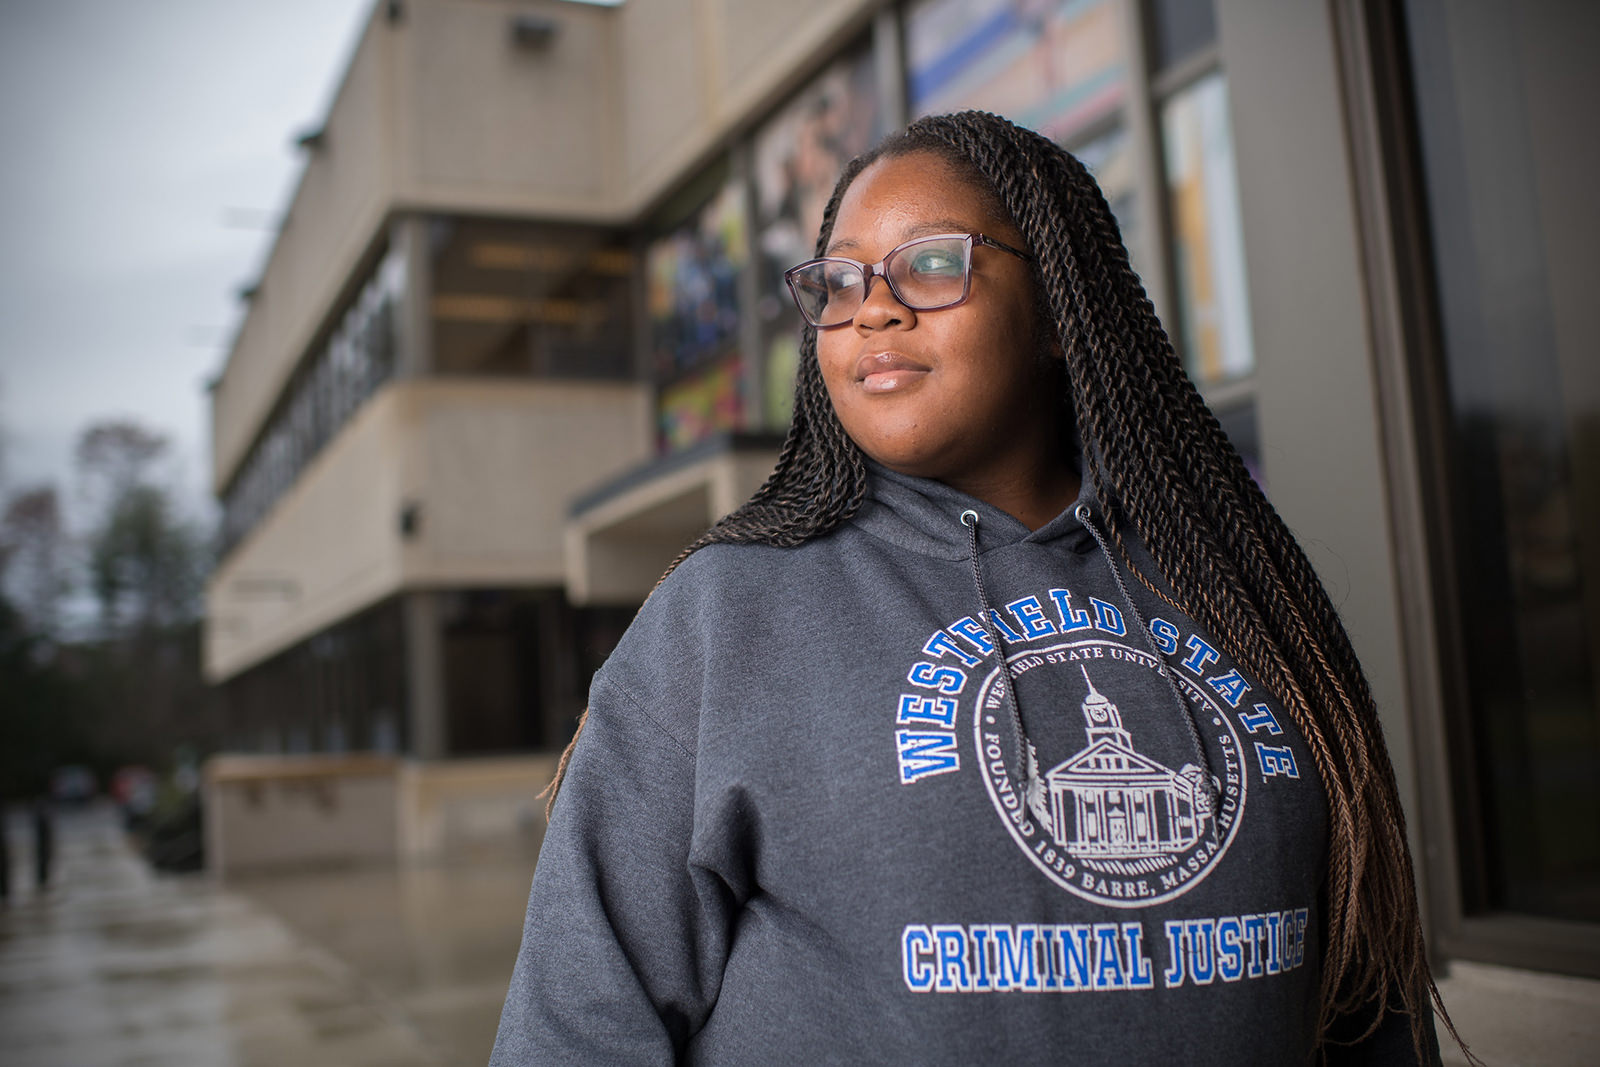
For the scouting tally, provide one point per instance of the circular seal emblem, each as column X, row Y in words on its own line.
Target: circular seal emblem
column 1126, row 818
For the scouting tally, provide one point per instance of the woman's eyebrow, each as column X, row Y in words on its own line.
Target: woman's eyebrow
column 910, row 233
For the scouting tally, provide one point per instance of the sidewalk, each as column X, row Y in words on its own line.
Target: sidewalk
column 113, row 965
column 1513, row 1018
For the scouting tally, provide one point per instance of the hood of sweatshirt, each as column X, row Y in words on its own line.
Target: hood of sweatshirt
column 830, row 799
column 935, row 520
column 924, row 516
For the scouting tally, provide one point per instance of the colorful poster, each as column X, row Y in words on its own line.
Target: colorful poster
column 1056, row 66
column 696, row 407
column 693, row 285
column 798, row 156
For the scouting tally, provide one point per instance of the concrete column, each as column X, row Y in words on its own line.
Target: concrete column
column 1150, row 182
column 752, row 382
column 561, row 692
column 1321, row 447
column 890, row 69
column 408, row 234
column 428, row 729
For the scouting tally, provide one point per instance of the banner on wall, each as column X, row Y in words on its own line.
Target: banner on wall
column 693, row 285
column 798, row 155
column 1056, row 66
column 696, row 407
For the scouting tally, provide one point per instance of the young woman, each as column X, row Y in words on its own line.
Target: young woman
column 810, row 819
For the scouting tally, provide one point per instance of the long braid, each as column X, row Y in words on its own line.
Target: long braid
column 1159, row 462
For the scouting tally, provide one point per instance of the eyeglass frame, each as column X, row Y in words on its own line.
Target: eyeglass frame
column 878, row 269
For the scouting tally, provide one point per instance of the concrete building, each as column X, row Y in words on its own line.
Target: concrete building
column 521, row 337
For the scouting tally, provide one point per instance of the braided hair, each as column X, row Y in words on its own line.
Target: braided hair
column 1162, row 468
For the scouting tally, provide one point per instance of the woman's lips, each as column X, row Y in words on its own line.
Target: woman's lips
column 884, row 372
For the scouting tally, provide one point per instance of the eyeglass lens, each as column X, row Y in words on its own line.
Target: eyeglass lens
column 924, row 274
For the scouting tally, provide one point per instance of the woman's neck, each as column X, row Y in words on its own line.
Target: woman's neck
column 1032, row 496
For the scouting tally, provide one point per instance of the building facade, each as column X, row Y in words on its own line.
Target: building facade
column 522, row 335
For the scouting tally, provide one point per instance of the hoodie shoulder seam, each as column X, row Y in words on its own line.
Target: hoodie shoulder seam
column 626, row 697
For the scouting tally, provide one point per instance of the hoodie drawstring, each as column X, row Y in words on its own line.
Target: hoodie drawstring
column 1027, row 765
column 1027, row 769
column 1083, row 515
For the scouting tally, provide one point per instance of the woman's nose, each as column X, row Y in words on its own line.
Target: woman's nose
column 880, row 308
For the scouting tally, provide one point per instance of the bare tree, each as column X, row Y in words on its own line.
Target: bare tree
column 35, row 557
column 133, row 692
column 114, row 456
column 145, row 563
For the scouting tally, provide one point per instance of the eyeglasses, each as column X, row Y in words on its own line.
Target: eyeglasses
column 924, row 274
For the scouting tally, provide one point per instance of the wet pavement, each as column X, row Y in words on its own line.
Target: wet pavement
column 114, row 965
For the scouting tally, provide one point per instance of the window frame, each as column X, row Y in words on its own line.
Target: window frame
column 1407, row 345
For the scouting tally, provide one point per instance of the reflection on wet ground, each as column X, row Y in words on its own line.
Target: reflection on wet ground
column 115, row 965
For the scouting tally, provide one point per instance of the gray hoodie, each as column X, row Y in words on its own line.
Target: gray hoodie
column 806, row 823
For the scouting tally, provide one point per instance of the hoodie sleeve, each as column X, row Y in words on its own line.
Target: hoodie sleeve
column 623, row 945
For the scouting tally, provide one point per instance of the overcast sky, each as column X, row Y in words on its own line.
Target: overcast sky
column 144, row 150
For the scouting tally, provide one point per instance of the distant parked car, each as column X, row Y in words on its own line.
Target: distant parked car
column 174, row 835
column 72, row 784
column 134, row 789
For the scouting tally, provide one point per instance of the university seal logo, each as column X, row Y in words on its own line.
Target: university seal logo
column 1126, row 819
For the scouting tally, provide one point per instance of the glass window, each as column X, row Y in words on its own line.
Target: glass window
column 1238, row 421
column 323, row 393
column 1109, row 158
column 1213, row 305
column 798, row 155
column 337, row 691
column 1057, row 67
column 1180, row 28
column 523, row 299
column 1500, row 88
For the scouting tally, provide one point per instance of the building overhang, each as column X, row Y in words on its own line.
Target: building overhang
column 621, row 536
